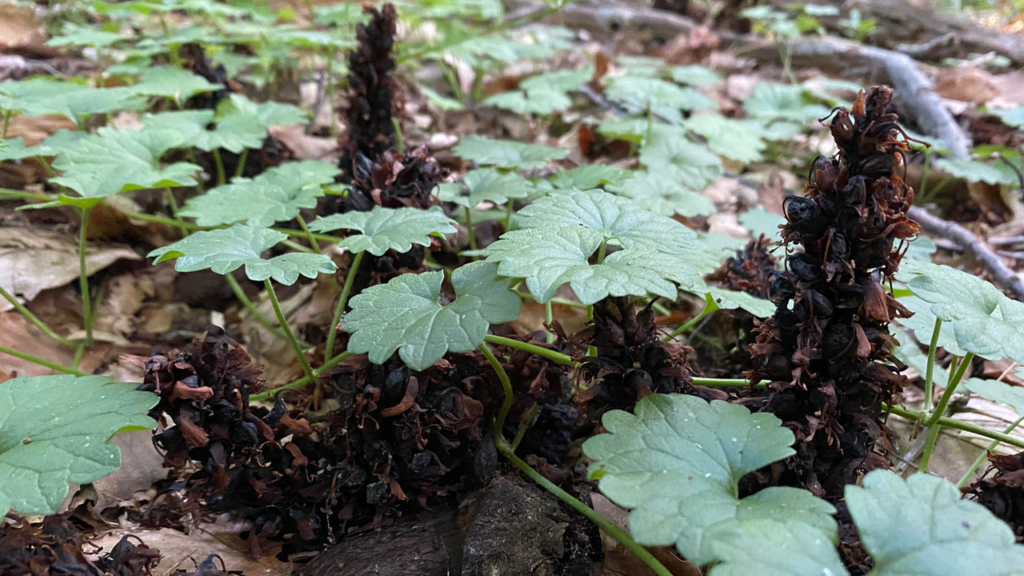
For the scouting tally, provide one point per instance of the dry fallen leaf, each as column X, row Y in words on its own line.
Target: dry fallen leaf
column 184, row 551
column 304, row 146
column 966, row 84
column 34, row 260
column 16, row 332
column 19, row 29
column 141, row 466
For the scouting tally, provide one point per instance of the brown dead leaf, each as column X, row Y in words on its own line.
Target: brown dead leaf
column 141, row 465
column 123, row 299
column 37, row 128
column 17, row 333
column 33, row 260
column 966, row 84
column 19, row 29
column 304, row 146
column 184, row 551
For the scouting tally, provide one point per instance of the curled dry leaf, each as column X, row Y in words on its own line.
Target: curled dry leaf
column 35, row 260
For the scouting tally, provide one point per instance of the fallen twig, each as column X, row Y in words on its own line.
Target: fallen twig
column 990, row 261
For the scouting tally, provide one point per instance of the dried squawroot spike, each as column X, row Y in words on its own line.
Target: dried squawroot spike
column 369, row 108
column 379, row 175
column 827, row 350
column 1002, row 492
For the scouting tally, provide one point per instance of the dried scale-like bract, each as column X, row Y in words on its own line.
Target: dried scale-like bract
column 399, row 441
column 826, row 348
column 751, row 270
column 1002, row 491
column 379, row 175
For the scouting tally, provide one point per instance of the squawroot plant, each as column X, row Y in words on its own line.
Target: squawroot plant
column 425, row 376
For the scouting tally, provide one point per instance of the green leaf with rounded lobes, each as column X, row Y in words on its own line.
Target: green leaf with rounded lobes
column 783, row 102
column 486, row 185
column 589, row 176
column 226, row 249
column 274, row 196
column 197, row 128
column 55, row 430
column 997, row 391
column 111, row 161
column 976, row 316
column 922, row 527
column 677, row 464
column 404, row 315
column 736, row 140
column 975, row 171
column 563, row 230
column 383, row 229
column 506, row 153
column 174, row 83
column 666, row 99
column 39, row 96
column 690, row 165
column 657, row 191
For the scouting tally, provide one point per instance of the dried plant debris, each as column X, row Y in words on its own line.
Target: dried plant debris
column 826, row 350
column 1002, row 492
column 751, row 270
column 399, row 441
column 631, row 362
column 55, row 548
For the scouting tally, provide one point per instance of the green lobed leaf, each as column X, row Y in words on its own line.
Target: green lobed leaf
column 589, row 176
column 226, row 249
column 55, row 430
column 997, row 391
column 38, row 96
column 538, row 101
column 384, row 229
column 734, row 139
column 677, row 463
column 782, row 101
column 974, row 171
column 691, row 165
column 486, row 185
column 506, row 153
column 404, row 315
column 922, row 527
column 695, row 75
column 730, row 300
column 562, row 231
column 976, row 316
column 1009, row 116
column 662, row 194
column 664, row 98
column 174, row 83
column 111, row 161
column 198, row 129
column 760, row 221
column 238, row 109
column 274, row 196
column 72, row 35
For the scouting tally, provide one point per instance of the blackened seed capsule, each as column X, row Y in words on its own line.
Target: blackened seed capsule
column 802, row 213
column 803, row 267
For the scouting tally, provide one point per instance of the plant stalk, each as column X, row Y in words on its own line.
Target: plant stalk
column 342, row 302
column 958, row 424
column 288, row 331
column 35, row 319
column 42, row 362
column 309, row 235
column 984, row 455
column 236, row 288
column 469, row 227
column 240, row 169
column 83, row 274
column 507, row 451
column 548, row 319
column 301, row 381
column 221, row 178
column 556, row 357
column 928, row 385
